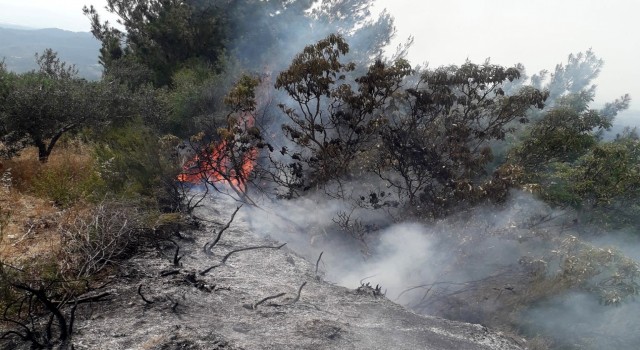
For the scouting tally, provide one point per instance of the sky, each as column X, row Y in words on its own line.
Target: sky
column 537, row 33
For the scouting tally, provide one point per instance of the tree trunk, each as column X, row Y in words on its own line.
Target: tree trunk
column 43, row 151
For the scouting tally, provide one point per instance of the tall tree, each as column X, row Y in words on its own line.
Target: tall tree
column 165, row 35
column 437, row 146
column 161, row 35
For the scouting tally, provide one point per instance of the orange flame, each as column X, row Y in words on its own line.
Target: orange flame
column 216, row 166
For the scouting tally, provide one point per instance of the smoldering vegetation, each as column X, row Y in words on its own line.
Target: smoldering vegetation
column 506, row 266
column 477, row 192
column 508, row 236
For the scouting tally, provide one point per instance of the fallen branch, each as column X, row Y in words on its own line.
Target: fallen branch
column 298, row 296
column 176, row 258
column 142, row 296
column 224, row 260
column 318, row 262
column 207, row 246
column 254, row 306
column 169, row 273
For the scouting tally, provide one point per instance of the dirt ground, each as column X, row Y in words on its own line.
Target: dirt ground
column 222, row 309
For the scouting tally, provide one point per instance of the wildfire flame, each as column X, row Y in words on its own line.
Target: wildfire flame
column 223, row 162
column 217, row 167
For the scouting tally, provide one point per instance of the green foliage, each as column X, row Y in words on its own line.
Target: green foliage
column 603, row 184
column 68, row 182
column 135, row 162
column 39, row 107
column 329, row 121
column 563, row 157
column 609, row 274
column 162, row 35
column 562, row 135
column 194, row 100
column 574, row 77
column 439, row 142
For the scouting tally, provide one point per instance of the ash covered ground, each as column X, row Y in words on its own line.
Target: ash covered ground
column 222, row 309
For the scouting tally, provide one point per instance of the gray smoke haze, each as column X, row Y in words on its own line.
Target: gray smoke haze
column 475, row 266
column 474, row 259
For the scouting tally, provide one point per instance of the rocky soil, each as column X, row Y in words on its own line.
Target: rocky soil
column 222, row 309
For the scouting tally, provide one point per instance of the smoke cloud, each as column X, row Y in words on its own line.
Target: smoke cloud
column 471, row 267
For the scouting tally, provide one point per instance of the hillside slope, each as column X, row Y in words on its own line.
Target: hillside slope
column 19, row 46
column 185, row 310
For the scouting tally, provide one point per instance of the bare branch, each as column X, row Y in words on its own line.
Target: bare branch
column 318, row 262
column 224, row 260
column 142, row 296
column 207, row 247
column 295, row 300
column 255, row 305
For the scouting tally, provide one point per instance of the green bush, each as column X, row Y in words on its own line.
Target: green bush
column 69, row 181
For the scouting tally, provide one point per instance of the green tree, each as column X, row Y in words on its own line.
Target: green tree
column 603, row 185
column 39, row 107
column 574, row 77
column 331, row 120
column 270, row 33
column 159, row 35
column 436, row 147
column 565, row 132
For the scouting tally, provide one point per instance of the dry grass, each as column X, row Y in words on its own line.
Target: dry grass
column 70, row 175
column 31, row 232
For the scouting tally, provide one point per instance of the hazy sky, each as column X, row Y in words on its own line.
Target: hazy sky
column 537, row 33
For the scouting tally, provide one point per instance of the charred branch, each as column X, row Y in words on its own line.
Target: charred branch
column 176, row 258
column 209, row 245
column 142, row 295
column 295, row 300
column 169, row 273
column 261, row 301
column 224, row 260
column 37, row 319
column 318, row 262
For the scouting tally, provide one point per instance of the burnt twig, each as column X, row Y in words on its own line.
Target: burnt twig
column 318, row 262
column 41, row 295
column 169, row 273
column 207, row 246
column 175, row 305
column 176, row 258
column 298, row 296
column 224, row 260
column 255, row 305
column 142, row 296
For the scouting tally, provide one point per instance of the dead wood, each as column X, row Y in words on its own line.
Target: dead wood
column 261, row 301
column 142, row 296
column 295, row 300
column 169, row 273
column 224, row 260
column 207, row 246
column 318, row 262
